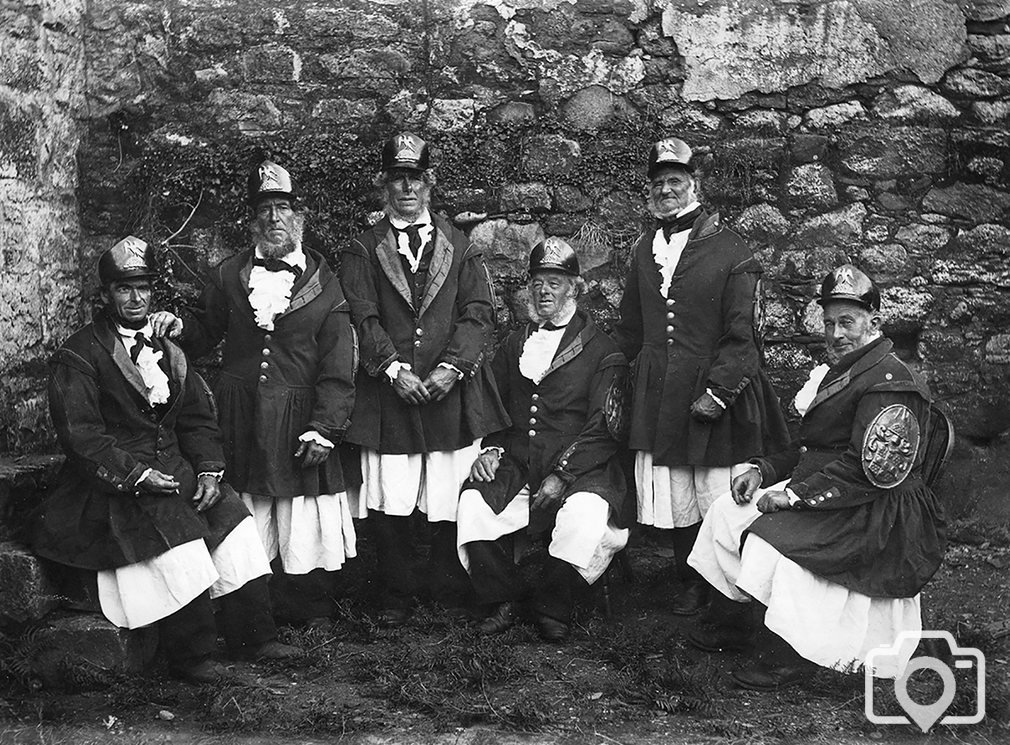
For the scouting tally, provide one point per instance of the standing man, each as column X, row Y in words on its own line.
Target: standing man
column 138, row 504
column 700, row 402
column 423, row 307
column 845, row 533
column 555, row 472
column 285, row 392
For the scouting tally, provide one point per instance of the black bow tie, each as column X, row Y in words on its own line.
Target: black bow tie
column 139, row 342
column 276, row 265
column 413, row 236
column 679, row 224
column 552, row 327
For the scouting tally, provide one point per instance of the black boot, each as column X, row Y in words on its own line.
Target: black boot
column 726, row 626
column 693, row 595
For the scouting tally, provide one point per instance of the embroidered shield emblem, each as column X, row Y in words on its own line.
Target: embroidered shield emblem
column 617, row 408
column 890, row 444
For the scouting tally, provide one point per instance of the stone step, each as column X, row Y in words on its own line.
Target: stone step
column 22, row 479
column 27, row 592
column 81, row 650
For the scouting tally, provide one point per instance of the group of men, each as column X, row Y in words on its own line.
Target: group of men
column 375, row 393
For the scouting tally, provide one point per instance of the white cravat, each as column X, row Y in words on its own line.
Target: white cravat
column 667, row 253
column 155, row 380
column 270, row 292
column 425, row 229
column 539, row 350
column 805, row 395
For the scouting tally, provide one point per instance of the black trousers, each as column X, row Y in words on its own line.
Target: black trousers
column 496, row 579
column 300, row 597
column 189, row 635
column 403, row 574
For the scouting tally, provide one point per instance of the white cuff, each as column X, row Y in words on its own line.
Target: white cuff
column 143, row 476
column 393, row 370
column 793, row 499
column 218, row 475
column 489, row 448
column 450, row 366
column 313, row 436
column 715, row 398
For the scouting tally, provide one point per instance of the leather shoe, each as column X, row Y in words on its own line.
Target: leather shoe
column 719, row 639
column 762, row 677
column 393, row 618
column 275, row 650
column 205, row 672
column 552, row 630
column 690, row 600
column 501, row 619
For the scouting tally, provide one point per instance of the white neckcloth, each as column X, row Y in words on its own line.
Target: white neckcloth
column 425, row 229
column 155, row 380
column 539, row 350
column 270, row 292
column 805, row 395
column 667, row 253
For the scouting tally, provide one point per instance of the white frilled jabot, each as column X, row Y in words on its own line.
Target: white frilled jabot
column 667, row 253
column 155, row 380
column 270, row 292
column 403, row 240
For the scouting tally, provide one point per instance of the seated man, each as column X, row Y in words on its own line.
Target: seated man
column 138, row 500
column 846, row 533
column 556, row 468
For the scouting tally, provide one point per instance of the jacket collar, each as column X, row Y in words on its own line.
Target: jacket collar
column 108, row 337
column 849, row 367
column 577, row 334
column 707, row 224
column 438, row 269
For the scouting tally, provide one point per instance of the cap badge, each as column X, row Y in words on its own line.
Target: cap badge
column 407, row 148
column 133, row 253
column 272, row 178
column 670, row 149
column 845, row 282
column 554, row 252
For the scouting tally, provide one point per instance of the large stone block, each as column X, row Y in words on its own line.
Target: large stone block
column 812, row 185
column 923, row 238
column 843, row 227
column 272, row 63
column 506, row 245
column 532, row 197
column 985, row 10
column 976, row 203
column 451, row 114
column 904, row 308
column 761, row 223
column 592, row 107
column 894, row 152
column 974, row 83
column 734, row 46
column 25, row 591
column 913, row 103
column 343, row 111
column 77, row 650
column 250, row 113
column 551, row 154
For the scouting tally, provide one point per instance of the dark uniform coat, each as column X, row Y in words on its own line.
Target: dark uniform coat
column 93, row 517
column 276, row 385
column 700, row 335
column 852, row 526
column 443, row 313
column 569, row 424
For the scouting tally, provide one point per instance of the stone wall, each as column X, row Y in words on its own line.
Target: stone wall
column 41, row 79
column 864, row 130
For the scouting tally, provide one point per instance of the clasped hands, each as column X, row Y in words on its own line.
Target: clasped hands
column 747, row 483
column 413, row 390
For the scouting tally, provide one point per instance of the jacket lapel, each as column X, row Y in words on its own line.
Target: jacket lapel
column 389, row 260
column 308, row 286
column 107, row 336
column 872, row 354
column 438, row 269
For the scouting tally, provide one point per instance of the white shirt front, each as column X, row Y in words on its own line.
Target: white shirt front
column 155, row 380
column 539, row 349
column 270, row 292
column 667, row 252
column 425, row 229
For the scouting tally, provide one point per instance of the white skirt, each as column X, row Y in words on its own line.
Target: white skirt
column 305, row 532
column 584, row 534
column 397, row 484
column 824, row 622
column 679, row 496
column 140, row 594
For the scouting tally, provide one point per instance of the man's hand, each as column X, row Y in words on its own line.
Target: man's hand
column 549, row 493
column 440, row 381
column 208, row 492
column 773, row 501
column 312, row 453
column 410, row 388
column 705, row 409
column 157, row 482
column 485, row 467
column 165, row 323
column 745, row 485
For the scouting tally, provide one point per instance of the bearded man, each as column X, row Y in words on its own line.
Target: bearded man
column 555, row 473
column 139, row 507
column 285, row 392
column 701, row 404
column 422, row 303
column 844, row 533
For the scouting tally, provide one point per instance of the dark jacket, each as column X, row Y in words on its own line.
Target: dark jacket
column 445, row 313
column 882, row 542
column 561, row 425
column 700, row 335
column 93, row 517
column 276, row 385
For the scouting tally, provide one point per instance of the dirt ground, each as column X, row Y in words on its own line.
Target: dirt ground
column 629, row 678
